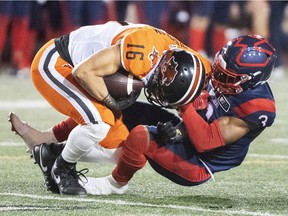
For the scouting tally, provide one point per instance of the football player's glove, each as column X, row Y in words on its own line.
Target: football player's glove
column 169, row 133
column 118, row 105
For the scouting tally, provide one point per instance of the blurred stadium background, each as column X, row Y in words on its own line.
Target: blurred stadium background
column 203, row 25
column 258, row 187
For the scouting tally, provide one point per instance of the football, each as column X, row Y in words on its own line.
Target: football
column 122, row 83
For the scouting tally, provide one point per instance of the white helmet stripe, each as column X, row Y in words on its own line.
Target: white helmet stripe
column 196, row 81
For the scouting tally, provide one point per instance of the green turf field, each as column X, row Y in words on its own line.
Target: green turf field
column 258, row 187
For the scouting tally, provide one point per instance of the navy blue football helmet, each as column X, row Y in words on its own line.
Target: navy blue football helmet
column 243, row 64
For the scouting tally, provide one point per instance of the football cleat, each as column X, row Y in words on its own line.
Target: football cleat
column 67, row 178
column 104, row 186
column 45, row 156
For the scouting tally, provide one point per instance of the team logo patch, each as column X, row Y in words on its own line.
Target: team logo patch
column 225, row 105
column 153, row 57
column 168, row 71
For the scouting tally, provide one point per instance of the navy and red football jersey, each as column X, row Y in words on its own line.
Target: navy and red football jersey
column 256, row 107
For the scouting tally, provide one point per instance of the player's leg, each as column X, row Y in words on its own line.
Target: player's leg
column 131, row 160
column 51, row 76
column 174, row 161
column 32, row 136
column 177, row 162
column 108, row 150
column 46, row 154
column 133, row 116
column 45, row 146
column 80, row 141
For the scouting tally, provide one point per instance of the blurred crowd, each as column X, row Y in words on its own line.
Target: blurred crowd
column 203, row 25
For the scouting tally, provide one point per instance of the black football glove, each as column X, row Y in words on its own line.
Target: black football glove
column 168, row 133
column 121, row 104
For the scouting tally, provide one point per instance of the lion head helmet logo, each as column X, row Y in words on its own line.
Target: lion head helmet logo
column 168, row 71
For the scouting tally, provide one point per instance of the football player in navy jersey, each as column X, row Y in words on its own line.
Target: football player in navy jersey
column 238, row 105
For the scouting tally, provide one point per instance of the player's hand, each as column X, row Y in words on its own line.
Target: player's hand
column 166, row 132
column 121, row 104
column 200, row 103
column 128, row 101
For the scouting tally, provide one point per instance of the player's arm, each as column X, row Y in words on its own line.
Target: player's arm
column 90, row 76
column 91, row 71
column 220, row 132
column 232, row 129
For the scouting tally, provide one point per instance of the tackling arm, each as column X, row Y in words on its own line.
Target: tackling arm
column 220, row 132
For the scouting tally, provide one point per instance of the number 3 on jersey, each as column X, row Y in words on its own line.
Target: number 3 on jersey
column 263, row 119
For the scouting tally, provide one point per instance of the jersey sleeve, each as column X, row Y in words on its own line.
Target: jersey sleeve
column 137, row 52
column 259, row 112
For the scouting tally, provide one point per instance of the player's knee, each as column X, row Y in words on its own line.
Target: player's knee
column 85, row 136
column 96, row 132
column 138, row 139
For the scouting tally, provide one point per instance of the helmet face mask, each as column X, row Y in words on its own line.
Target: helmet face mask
column 178, row 79
column 152, row 90
column 244, row 63
column 225, row 80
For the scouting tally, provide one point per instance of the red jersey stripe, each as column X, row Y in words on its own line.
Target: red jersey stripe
column 252, row 106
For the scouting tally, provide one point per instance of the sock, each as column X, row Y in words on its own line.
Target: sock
column 101, row 155
column 114, row 182
column 62, row 130
column 82, row 139
column 132, row 157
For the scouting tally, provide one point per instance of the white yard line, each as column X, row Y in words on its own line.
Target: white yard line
column 12, row 144
column 18, row 208
column 280, row 140
column 140, row 204
column 268, row 156
column 24, row 104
